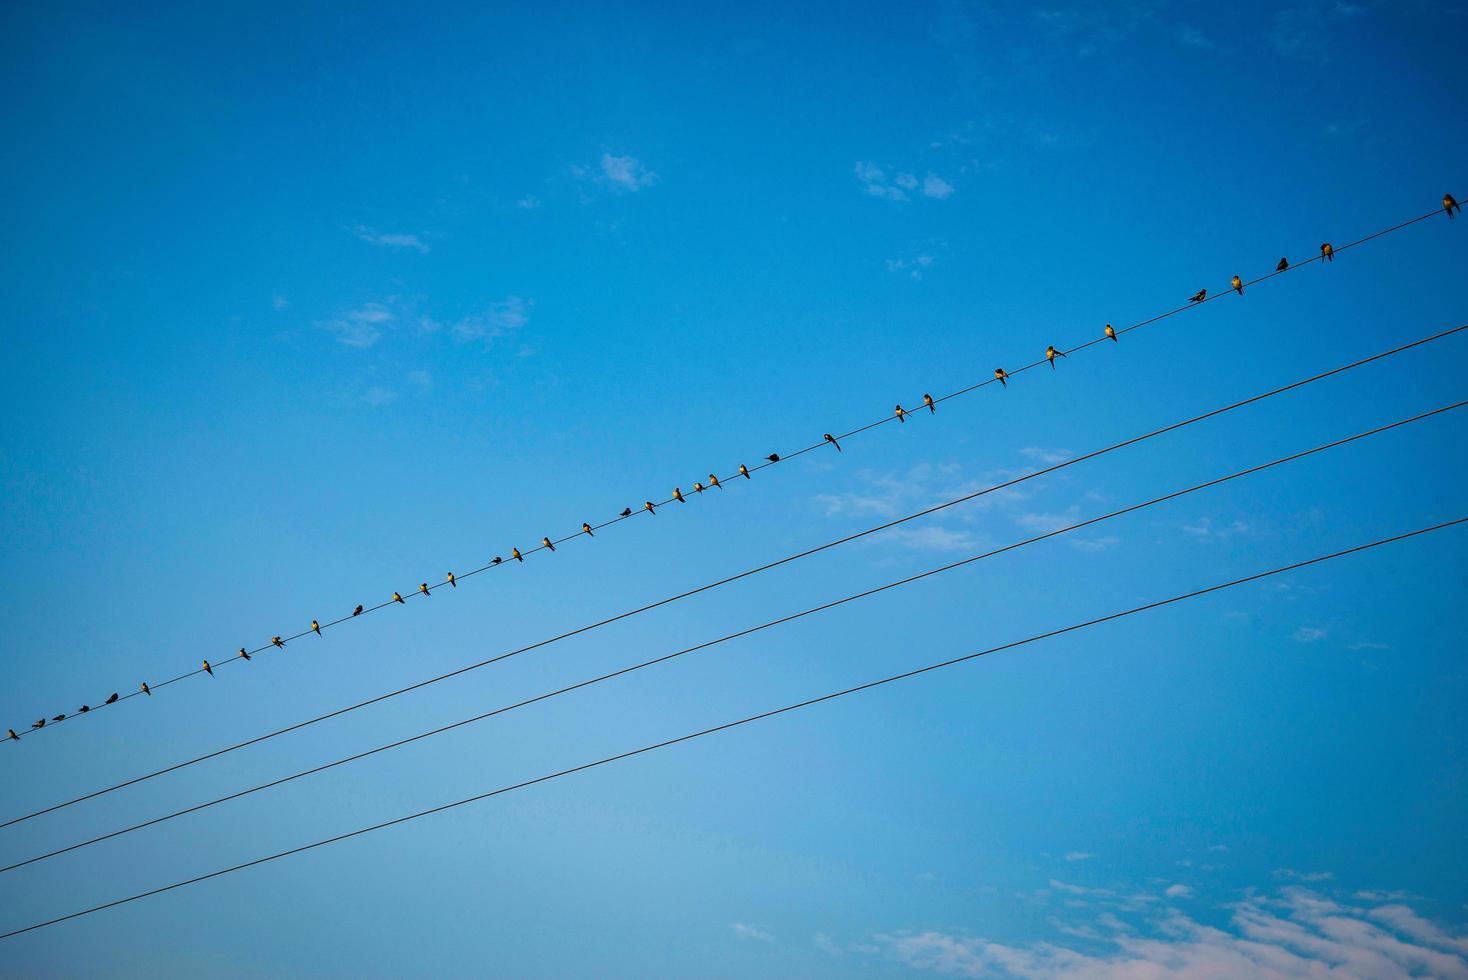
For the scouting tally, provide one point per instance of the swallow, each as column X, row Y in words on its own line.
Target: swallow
column 627, row 512
column 59, row 718
column 397, row 598
column 454, row 584
column 13, row 737
column 39, row 724
column 678, row 495
column 900, row 414
column 928, row 401
column 358, row 610
column 714, row 481
column 207, row 669
column 1051, row 354
column 1238, row 285
column 744, row 471
column 586, row 529
column 281, row 643
column 423, row 588
column 1284, row 264
column 1327, row 252
column 697, row 487
column 244, row 653
column 315, row 627
column 496, row 560
column 773, row 457
column 1000, row 375
column 832, row 440
column 1199, row 296
column 515, row 554
column 113, row 699
column 84, row 709
column 1450, row 204
column 147, row 690
column 647, row 506
column 547, row 543
column 1111, row 331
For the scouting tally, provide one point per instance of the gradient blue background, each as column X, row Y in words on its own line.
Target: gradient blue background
column 308, row 305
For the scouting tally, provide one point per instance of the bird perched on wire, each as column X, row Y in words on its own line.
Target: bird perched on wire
column 1450, row 204
column 714, row 481
column 315, row 627
column 39, row 724
column 1238, row 285
column 1199, row 296
column 1284, row 264
column 832, row 440
column 113, row 699
column 281, row 643
column 423, row 588
column 773, row 457
column 149, row 691
column 1001, row 376
column 515, row 554
column 547, row 543
column 648, row 506
column 678, row 495
column 453, row 583
column 358, row 610
column 586, row 529
column 398, row 598
column 1111, row 331
column 207, row 669
column 627, row 512
column 697, row 487
column 244, row 653
column 901, row 415
column 1051, row 354
column 1327, row 252
column 84, row 709
column 13, row 737
column 928, row 401
column 744, row 472
column 59, row 718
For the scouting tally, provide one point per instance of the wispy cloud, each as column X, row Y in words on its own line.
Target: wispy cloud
column 501, row 319
column 361, row 327
column 1045, row 457
column 746, row 931
column 936, row 187
column 874, row 180
column 279, row 303
column 1206, row 530
column 1194, row 38
column 913, row 267
column 1309, row 634
column 625, row 174
column 1302, row 31
column 1079, row 856
column 1178, row 891
column 390, row 240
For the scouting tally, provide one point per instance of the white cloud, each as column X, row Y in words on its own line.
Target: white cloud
column 528, row 202
column 390, row 240
column 626, row 173
column 1309, row 634
column 421, row 378
column 936, row 187
column 378, row 395
column 1205, row 530
column 744, row 931
column 1045, row 457
column 279, row 302
column 361, row 327
column 913, row 267
column 1290, row 874
column 1095, row 545
column 501, row 319
column 874, row 181
column 1178, row 891
column 1079, row 856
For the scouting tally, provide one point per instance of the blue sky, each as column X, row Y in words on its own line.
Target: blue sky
column 308, row 305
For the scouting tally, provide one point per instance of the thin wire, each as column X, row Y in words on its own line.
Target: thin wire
column 737, row 635
column 733, row 578
column 748, row 719
column 732, row 478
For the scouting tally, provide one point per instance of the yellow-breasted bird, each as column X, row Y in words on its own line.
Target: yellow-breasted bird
column 278, row 641
column 515, row 554
column 358, row 610
column 1111, row 331
column 1238, row 285
column 714, row 481
column 773, row 457
column 1051, row 354
column 928, row 401
column 648, row 506
column 1284, row 264
column 147, row 690
column 697, row 487
column 423, row 588
column 113, row 699
column 832, row 440
column 901, row 415
column 1001, row 376
column 744, row 471
column 547, row 543
column 397, row 598
column 586, row 529
column 315, row 627
column 1450, row 204
column 244, row 653
column 1327, row 252
column 207, row 669
column 453, row 583
column 1199, row 296
column 678, row 495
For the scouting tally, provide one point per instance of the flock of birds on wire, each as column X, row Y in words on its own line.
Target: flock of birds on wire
column 1327, row 254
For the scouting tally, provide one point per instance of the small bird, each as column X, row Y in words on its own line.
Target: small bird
column 832, row 440
column 714, row 481
column 452, row 583
column 1000, row 375
column 1051, row 354
column 1199, row 296
column 1111, row 331
column 39, row 724
column 1450, row 204
column 358, row 610
column 900, row 414
column 678, row 495
column 744, row 472
column 315, row 627
column 547, row 543
column 515, row 554
column 13, row 737
column 147, row 690
column 773, row 457
column 627, row 512
column 113, row 699
column 1284, row 264
column 84, row 709
column 59, row 718
column 697, row 487
column 281, row 643
column 928, row 401
column 496, row 560
column 1238, row 285
column 647, row 506
column 207, row 669
column 397, row 598
column 1327, row 252
column 423, row 588
column 586, row 529
column 244, row 653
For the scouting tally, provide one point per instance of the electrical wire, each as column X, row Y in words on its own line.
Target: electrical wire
column 732, row 478
column 737, row 635
column 736, row 577
column 748, row 719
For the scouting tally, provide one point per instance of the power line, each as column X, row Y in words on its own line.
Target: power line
column 733, row 578
column 733, row 636
column 774, row 458
column 748, row 719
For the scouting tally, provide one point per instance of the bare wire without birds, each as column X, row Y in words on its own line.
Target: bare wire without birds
column 772, row 459
column 707, row 644
column 739, row 722
column 741, row 575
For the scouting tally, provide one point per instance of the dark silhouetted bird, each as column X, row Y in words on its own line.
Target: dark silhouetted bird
column 627, row 512
column 277, row 641
column 453, row 582
column 423, row 588
column 1238, row 285
column 1111, row 331
column 928, row 401
column 315, row 627
column 515, row 554
column 647, row 506
column 113, row 699
column 398, row 598
column 714, row 481
column 358, row 610
column 678, row 495
column 744, row 471
column 1450, row 204
column 244, row 653
column 84, row 709
column 39, row 724
column 496, row 560
column 148, row 690
column 207, row 669
column 586, row 529
column 1001, row 376
column 13, row 737
column 547, row 543
column 832, row 440
column 901, row 415
column 1199, row 296
column 1327, row 252
column 773, row 457
column 1051, row 354
column 59, row 718
column 1284, row 264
